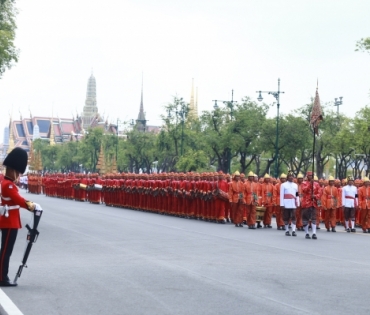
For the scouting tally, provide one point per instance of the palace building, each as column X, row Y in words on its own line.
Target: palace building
column 21, row 132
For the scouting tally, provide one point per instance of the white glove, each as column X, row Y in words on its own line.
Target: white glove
column 37, row 206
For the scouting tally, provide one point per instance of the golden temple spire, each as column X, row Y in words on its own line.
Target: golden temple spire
column 193, row 111
column 101, row 165
column 196, row 102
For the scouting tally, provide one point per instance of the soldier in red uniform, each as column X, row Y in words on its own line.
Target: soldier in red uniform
column 149, row 196
column 228, row 205
column 221, row 203
column 75, row 183
column 267, row 191
column 364, row 204
column 358, row 184
column 236, row 198
column 319, row 211
column 161, row 193
column 197, row 188
column 202, row 192
column 10, row 222
column 338, row 185
column 299, row 223
column 251, row 200
column 329, row 202
column 192, row 202
column 311, row 194
column 116, row 190
column 278, row 213
column 104, row 187
column 207, row 195
column 213, row 178
column 39, row 183
column 182, row 195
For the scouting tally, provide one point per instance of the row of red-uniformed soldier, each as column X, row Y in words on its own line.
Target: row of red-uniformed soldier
column 35, row 184
column 206, row 196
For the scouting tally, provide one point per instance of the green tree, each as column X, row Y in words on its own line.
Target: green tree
column 297, row 144
column 90, row 148
column 362, row 131
column 173, row 139
column 363, row 44
column 193, row 160
column 217, row 132
column 140, row 151
column 8, row 51
column 69, row 159
column 246, row 128
column 49, row 154
column 343, row 145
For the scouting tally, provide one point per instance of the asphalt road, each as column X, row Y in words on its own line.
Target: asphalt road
column 93, row 259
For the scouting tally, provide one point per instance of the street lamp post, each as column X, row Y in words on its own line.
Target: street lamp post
column 277, row 97
column 230, row 105
column 337, row 103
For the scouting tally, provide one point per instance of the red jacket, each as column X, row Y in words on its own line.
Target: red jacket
column 306, row 201
column 11, row 197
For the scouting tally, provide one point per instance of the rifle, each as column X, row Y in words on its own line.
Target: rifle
column 32, row 236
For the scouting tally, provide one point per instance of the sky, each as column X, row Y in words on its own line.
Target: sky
column 225, row 45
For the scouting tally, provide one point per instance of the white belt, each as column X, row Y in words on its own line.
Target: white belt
column 12, row 207
column 6, row 198
column 6, row 208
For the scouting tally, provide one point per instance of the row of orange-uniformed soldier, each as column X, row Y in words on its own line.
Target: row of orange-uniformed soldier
column 204, row 196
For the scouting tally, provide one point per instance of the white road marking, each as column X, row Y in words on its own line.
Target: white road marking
column 7, row 304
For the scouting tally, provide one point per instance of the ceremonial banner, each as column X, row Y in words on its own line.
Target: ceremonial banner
column 316, row 114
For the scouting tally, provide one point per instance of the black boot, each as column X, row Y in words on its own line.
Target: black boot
column 7, row 283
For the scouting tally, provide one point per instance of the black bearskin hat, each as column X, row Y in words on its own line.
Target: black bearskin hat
column 17, row 160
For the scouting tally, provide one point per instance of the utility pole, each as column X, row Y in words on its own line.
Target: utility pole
column 337, row 103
